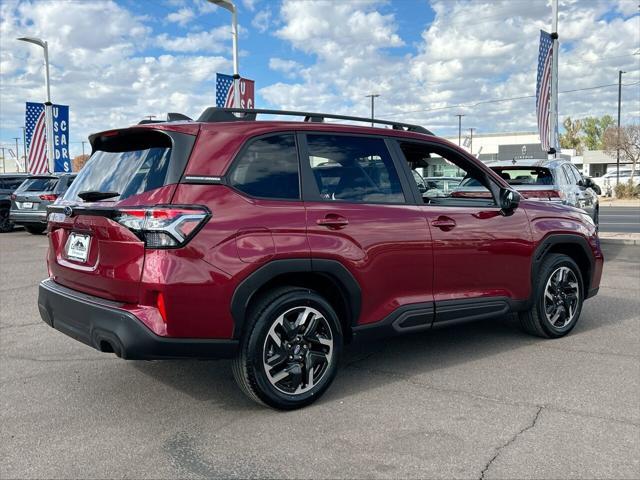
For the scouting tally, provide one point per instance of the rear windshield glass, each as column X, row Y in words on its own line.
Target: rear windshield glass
column 127, row 173
column 39, row 185
column 10, row 183
column 526, row 175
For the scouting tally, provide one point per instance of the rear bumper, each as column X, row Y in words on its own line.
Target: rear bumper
column 35, row 216
column 101, row 324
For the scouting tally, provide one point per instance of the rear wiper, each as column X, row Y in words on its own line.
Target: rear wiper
column 95, row 195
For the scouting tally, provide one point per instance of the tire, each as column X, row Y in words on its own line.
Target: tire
column 35, row 229
column 6, row 225
column 551, row 298
column 278, row 342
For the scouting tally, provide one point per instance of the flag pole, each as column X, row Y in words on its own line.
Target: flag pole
column 553, row 108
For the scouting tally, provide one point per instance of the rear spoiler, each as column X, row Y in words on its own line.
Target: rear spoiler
column 171, row 117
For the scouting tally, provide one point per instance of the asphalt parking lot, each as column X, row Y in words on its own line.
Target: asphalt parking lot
column 479, row 400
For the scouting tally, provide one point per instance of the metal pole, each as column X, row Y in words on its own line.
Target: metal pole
column 620, row 72
column 460, row 115
column 553, row 108
column 18, row 154
column 236, row 68
column 471, row 144
column 373, row 96
column 48, row 111
column 83, row 142
column 24, row 144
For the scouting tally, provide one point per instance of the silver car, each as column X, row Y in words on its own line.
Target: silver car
column 29, row 202
column 556, row 180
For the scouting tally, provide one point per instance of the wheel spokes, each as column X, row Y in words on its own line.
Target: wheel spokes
column 298, row 350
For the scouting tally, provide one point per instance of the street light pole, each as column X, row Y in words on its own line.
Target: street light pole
column 460, row 115
column 373, row 96
column 24, row 145
column 18, row 154
column 230, row 6
column 48, row 107
column 620, row 72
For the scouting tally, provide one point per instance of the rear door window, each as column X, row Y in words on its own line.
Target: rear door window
column 45, row 184
column 268, row 168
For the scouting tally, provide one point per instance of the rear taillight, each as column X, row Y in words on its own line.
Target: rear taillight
column 163, row 227
column 553, row 194
column 51, row 197
column 543, row 194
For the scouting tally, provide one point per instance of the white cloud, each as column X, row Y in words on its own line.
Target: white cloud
column 207, row 41
column 182, row 17
column 262, row 20
column 103, row 73
column 249, row 4
column 290, row 68
column 472, row 52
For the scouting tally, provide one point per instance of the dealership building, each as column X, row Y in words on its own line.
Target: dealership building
column 526, row 145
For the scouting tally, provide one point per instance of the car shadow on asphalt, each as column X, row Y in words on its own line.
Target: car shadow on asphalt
column 394, row 358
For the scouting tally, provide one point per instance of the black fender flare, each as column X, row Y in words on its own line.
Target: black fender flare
column 578, row 241
column 332, row 269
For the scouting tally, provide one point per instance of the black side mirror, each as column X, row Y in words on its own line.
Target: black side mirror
column 509, row 200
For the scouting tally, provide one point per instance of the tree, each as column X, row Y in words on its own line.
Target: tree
column 629, row 144
column 571, row 137
column 78, row 162
column 594, row 129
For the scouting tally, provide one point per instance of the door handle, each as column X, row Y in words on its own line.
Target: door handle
column 445, row 223
column 333, row 221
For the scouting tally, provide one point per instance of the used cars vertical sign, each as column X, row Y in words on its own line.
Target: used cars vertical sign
column 61, row 138
column 62, row 158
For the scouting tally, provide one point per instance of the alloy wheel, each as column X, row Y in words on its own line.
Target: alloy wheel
column 298, row 350
column 561, row 297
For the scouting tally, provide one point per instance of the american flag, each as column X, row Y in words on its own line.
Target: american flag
column 36, row 138
column 224, row 91
column 543, row 87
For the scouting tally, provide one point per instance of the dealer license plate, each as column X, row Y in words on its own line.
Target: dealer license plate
column 78, row 247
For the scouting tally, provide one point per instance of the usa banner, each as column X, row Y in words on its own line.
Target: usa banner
column 225, row 91
column 36, row 138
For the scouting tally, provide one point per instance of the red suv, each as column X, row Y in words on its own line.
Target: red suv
column 274, row 243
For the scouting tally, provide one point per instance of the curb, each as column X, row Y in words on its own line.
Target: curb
column 620, row 241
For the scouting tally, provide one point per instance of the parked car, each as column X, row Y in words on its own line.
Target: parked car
column 441, row 185
column 625, row 177
column 556, row 180
column 29, row 202
column 8, row 184
column 607, row 181
column 275, row 243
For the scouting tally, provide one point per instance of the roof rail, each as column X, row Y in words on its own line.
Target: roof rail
column 214, row 114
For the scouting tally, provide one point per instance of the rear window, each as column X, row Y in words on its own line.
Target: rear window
column 526, row 175
column 39, row 185
column 128, row 163
column 11, row 183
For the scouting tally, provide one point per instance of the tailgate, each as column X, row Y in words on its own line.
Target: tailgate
column 96, row 255
column 92, row 249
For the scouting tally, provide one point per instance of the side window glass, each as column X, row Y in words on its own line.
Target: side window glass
column 570, row 177
column 268, row 168
column 353, row 169
column 447, row 179
column 577, row 175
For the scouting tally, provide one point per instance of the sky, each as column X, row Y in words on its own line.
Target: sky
column 116, row 61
